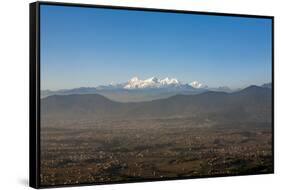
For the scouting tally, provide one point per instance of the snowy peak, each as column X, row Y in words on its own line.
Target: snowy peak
column 167, row 81
column 196, row 84
column 152, row 82
column 152, row 79
column 134, row 79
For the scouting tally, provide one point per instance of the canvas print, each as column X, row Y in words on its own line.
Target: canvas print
column 134, row 95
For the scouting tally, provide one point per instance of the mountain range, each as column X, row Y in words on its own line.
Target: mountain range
column 250, row 104
column 137, row 90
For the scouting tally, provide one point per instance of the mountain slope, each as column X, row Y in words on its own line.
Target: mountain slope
column 251, row 104
column 267, row 85
column 134, row 90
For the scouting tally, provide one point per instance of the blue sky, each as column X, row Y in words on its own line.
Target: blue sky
column 85, row 47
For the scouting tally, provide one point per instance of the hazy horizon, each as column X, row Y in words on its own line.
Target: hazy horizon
column 182, row 82
column 88, row 47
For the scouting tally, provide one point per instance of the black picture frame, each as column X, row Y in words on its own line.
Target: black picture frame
column 34, row 84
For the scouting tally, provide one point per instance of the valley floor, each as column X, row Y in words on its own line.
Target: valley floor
column 151, row 149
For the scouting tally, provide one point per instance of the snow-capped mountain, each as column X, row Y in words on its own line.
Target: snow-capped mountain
column 137, row 90
column 196, row 84
column 153, row 82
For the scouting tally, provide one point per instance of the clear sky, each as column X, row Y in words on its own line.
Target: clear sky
column 86, row 47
